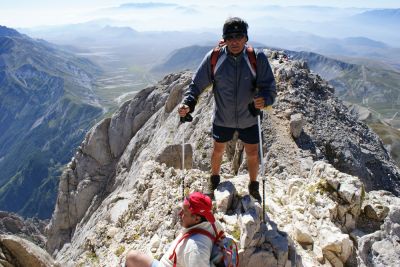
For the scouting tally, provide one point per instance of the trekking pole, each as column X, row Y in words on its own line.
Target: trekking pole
column 187, row 118
column 183, row 160
column 262, row 161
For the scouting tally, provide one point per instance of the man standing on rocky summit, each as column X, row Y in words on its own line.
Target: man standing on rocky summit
column 194, row 250
column 238, row 93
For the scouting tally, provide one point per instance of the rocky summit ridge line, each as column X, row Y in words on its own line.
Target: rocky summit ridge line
column 113, row 196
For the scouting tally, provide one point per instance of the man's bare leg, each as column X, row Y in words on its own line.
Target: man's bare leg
column 136, row 258
column 252, row 160
column 216, row 157
column 252, row 165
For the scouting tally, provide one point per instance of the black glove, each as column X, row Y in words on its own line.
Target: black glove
column 187, row 118
column 253, row 110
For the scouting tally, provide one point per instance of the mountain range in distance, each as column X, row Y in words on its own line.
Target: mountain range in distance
column 129, row 57
column 352, row 32
column 47, row 104
column 378, row 24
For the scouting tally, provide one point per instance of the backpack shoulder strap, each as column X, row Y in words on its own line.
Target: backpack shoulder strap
column 203, row 232
column 191, row 232
column 218, row 235
column 214, row 59
column 252, row 57
column 251, row 60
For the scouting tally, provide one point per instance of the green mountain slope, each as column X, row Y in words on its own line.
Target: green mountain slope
column 46, row 106
column 369, row 83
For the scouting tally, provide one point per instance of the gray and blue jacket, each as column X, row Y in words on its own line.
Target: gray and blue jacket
column 234, row 86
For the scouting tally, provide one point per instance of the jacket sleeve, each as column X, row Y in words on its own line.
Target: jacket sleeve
column 265, row 79
column 200, row 81
column 198, row 254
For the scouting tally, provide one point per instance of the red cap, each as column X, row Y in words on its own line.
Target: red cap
column 200, row 204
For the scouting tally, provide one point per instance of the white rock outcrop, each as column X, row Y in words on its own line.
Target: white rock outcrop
column 16, row 251
column 114, row 196
column 382, row 247
column 296, row 125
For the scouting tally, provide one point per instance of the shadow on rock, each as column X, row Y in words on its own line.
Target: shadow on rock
column 260, row 241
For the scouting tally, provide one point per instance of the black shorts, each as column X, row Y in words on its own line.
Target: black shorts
column 225, row 134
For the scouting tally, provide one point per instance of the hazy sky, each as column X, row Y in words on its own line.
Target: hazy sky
column 160, row 15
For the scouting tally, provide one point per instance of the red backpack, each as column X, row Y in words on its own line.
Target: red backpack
column 215, row 55
column 224, row 251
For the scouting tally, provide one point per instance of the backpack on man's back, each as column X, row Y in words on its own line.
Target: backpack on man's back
column 224, row 252
column 251, row 54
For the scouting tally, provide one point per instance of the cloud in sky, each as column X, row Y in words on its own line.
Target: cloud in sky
column 145, row 5
column 160, row 15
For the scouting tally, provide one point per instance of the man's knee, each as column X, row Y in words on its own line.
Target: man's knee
column 218, row 148
column 251, row 150
column 136, row 258
column 133, row 254
column 132, row 258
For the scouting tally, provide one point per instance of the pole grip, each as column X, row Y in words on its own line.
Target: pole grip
column 187, row 118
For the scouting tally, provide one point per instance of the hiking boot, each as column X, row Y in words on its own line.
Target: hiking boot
column 254, row 188
column 213, row 184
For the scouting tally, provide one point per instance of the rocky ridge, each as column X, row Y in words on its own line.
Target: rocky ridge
column 22, row 241
column 31, row 228
column 113, row 198
column 16, row 251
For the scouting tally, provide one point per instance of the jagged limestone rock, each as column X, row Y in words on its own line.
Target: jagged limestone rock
column 224, row 196
column 382, row 248
column 302, row 233
column 376, row 205
column 175, row 95
column 334, row 244
column 140, row 197
column 248, row 229
column 31, row 228
column 279, row 243
column 127, row 121
column 84, row 183
column 296, row 125
column 172, row 156
column 153, row 226
column 256, row 239
column 376, row 211
column 24, row 253
column 333, row 259
column 257, row 258
column 96, row 144
column 331, row 131
column 342, row 188
column 323, row 212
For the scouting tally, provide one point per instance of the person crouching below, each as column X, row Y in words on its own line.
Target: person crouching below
column 190, row 250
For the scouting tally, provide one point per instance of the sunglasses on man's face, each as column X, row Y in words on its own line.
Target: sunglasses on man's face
column 234, row 36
